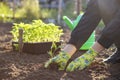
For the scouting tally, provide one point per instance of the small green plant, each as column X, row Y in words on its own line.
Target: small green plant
column 37, row 31
column 54, row 49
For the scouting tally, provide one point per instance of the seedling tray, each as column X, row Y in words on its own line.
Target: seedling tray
column 36, row 48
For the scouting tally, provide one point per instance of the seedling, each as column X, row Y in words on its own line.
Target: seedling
column 54, row 49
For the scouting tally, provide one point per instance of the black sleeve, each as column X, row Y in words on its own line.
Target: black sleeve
column 86, row 25
column 111, row 33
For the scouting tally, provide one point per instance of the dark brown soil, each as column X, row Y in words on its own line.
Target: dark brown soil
column 15, row 66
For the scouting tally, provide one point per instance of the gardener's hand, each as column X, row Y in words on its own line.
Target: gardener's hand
column 61, row 60
column 82, row 61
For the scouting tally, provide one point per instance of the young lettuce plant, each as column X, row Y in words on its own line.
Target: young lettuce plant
column 37, row 31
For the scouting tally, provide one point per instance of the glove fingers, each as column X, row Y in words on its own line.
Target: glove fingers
column 62, row 66
column 73, row 66
column 48, row 63
column 59, row 61
column 70, row 67
column 54, row 61
column 77, row 64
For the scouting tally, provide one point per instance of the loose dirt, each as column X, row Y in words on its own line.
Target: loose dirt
column 15, row 66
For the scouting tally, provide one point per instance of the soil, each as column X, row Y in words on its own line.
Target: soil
column 24, row 66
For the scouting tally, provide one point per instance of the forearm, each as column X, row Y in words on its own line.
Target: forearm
column 111, row 33
column 97, row 47
column 70, row 49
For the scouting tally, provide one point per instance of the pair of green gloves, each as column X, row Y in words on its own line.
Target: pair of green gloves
column 78, row 64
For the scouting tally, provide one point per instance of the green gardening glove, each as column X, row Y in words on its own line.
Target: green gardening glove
column 61, row 59
column 82, row 61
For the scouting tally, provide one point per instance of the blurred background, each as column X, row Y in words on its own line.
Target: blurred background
column 47, row 10
column 50, row 11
